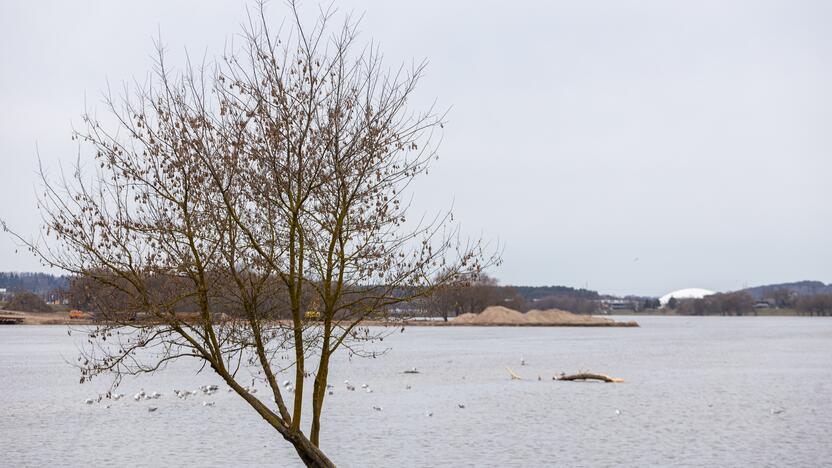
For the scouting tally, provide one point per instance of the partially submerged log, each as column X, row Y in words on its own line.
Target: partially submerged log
column 513, row 375
column 588, row 376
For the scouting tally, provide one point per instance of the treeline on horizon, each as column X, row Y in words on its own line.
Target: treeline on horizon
column 45, row 285
column 805, row 297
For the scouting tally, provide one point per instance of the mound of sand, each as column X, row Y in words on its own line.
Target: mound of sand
column 499, row 315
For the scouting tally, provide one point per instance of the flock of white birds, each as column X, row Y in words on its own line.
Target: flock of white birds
column 208, row 390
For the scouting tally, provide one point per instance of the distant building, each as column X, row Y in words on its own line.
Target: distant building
column 622, row 305
column 689, row 293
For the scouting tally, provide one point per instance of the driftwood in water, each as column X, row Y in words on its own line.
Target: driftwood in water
column 513, row 375
column 588, row 376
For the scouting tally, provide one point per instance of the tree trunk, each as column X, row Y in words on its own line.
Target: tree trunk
column 309, row 454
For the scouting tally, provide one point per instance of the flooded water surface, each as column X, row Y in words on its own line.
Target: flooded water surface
column 703, row 391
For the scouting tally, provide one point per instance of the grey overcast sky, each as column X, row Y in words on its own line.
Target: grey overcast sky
column 627, row 146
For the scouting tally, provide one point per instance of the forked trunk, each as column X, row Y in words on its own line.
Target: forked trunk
column 310, row 455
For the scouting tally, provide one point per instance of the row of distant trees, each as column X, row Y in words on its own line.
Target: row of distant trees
column 742, row 303
column 85, row 294
column 475, row 297
column 45, row 285
column 486, row 292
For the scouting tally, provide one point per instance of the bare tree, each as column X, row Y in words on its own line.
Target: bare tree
column 473, row 297
column 266, row 183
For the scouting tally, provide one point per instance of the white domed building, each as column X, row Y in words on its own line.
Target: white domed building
column 689, row 293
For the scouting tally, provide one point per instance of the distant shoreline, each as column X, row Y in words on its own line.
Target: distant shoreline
column 60, row 318
column 450, row 323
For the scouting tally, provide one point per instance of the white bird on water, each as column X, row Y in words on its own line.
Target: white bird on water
column 208, row 403
column 88, row 401
column 522, row 361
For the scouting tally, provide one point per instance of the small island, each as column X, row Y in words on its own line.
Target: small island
column 499, row 316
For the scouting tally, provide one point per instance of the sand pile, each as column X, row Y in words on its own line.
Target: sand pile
column 499, row 315
column 493, row 315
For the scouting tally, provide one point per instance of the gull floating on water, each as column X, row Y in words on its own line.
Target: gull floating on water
column 208, row 403
column 88, row 401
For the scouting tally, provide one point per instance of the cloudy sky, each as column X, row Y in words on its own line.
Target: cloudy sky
column 627, row 146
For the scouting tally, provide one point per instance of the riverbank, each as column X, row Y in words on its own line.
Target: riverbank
column 500, row 316
column 488, row 318
column 13, row 317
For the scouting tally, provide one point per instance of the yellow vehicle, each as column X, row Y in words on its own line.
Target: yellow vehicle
column 77, row 314
column 312, row 313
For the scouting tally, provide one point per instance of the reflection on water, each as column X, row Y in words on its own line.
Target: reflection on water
column 699, row 392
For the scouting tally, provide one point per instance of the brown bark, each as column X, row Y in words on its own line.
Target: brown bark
column 588, row 376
